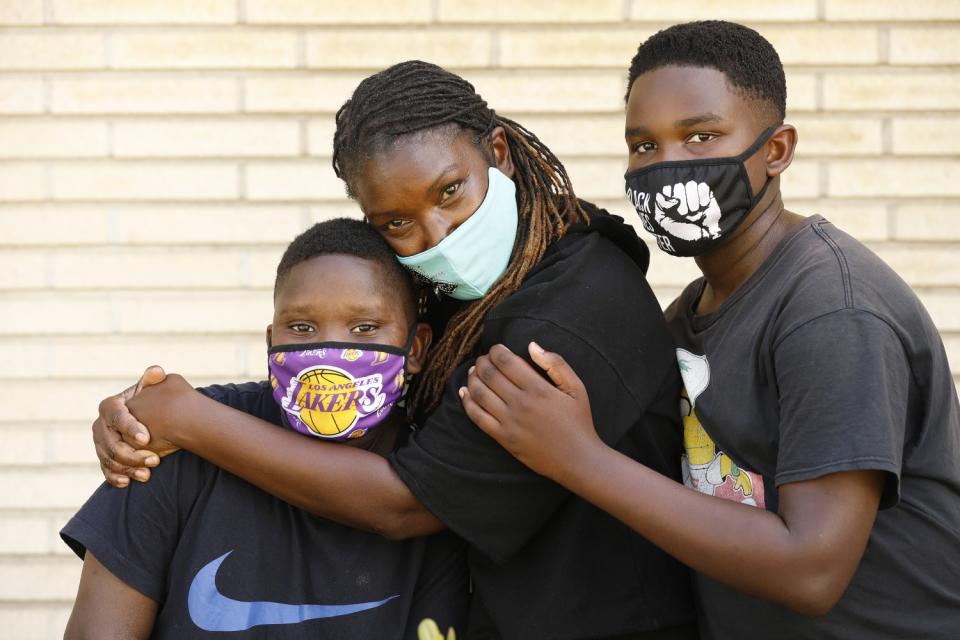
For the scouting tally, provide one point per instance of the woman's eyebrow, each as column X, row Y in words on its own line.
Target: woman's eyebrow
column 441, row 177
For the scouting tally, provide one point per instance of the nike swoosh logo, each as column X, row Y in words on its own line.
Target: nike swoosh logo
column 212, row 611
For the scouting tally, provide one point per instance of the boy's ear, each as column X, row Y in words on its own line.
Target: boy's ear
column 422, row 338
column 780, row 149
column 269, row 335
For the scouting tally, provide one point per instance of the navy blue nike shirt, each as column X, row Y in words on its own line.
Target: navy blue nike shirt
column 227, row 560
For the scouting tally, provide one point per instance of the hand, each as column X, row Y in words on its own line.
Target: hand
column 117, row 434
column 162, row 406
column 689, row 211
column 544, row 426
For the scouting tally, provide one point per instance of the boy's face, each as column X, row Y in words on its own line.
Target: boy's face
column 689, row 113
column 342, row 298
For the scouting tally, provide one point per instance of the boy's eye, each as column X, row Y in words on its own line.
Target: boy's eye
column 450, row 190
column 701, row 136
column 363, row 328
column 644, row 147
column 301, row 327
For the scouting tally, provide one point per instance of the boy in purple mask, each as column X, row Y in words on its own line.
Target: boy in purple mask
column 198, row 551
column 820, row 418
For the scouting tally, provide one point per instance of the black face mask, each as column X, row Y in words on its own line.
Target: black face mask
column 691, row 206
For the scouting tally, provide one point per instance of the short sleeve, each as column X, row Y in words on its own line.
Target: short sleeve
column 843, row 382
column 473, row 485
column 133, row 532
column 253, row 398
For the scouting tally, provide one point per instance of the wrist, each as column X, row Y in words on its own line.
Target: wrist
column 586, row 461
column 185, row 406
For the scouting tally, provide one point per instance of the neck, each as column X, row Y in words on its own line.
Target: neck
column 731, row 264
column 382, row 438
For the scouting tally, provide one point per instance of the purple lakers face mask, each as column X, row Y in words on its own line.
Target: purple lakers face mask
column 336, row 390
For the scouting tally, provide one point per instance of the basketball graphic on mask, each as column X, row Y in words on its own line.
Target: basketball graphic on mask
column 327, row 400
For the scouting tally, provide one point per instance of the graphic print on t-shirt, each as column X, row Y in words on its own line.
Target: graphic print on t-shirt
column 706, row 468
column 212, row 611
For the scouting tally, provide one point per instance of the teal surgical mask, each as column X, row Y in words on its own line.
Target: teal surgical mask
column 466, row 263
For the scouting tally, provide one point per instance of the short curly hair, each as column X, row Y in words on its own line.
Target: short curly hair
column 746, row 58
column 351, row 237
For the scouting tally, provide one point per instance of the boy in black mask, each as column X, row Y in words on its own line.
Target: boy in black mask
column 818, row 402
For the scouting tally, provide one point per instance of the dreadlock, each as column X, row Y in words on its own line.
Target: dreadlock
column 415, row 96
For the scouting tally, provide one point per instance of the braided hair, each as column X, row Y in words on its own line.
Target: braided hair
column 415, row 96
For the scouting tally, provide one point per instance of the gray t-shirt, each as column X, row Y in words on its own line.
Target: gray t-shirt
column 825, row 361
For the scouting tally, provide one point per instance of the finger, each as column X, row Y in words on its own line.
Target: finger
column 487, row 423
column 109, row 445
column 680, row 193
column 129, row 392
column 493, row 378
column 153, row 374
column 116, row 416
column 561, row 373
column 113, row 470
column 517, row 370
column 485, row 397
column 665, row 202
column 703, row 191
column 116, row 479
column 693, row 196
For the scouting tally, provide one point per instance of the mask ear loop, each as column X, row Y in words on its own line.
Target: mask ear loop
column 402, row 401
column 752, row 149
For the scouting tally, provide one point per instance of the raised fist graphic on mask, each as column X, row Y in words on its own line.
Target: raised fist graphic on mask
column 688, row 211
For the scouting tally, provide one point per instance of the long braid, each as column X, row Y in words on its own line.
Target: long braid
column 414, row 96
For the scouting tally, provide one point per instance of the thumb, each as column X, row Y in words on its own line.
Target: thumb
column 665, row 202
column 153, row 375
column 560, row 373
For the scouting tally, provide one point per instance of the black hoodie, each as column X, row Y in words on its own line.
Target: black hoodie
column 545, row 563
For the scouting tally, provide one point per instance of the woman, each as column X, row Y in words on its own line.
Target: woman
column 480, row 208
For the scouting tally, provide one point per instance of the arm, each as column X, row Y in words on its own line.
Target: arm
column 802, row 557
column 106, row 608
column 319, row 477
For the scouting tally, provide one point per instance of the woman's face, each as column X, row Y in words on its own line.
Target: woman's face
column 425, row 185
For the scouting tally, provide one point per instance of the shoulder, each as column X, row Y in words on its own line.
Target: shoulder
column 820, row 270
column 593, row 268
column 254, row 398
column 586, row 284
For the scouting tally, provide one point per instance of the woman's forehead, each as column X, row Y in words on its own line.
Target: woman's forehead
column 413, row 163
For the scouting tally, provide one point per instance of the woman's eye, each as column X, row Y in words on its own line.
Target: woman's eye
column 644, row 147
column 449, row 191
column 363, row 328
column 300, row 327
column 395, row 224
column 701, row 137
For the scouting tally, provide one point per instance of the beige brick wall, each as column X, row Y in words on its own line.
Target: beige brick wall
column 156, row 155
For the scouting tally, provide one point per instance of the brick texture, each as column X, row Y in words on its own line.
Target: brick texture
column 156, row 156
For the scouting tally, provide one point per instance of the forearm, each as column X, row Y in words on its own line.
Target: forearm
column 352, row 486
column 750, row 549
